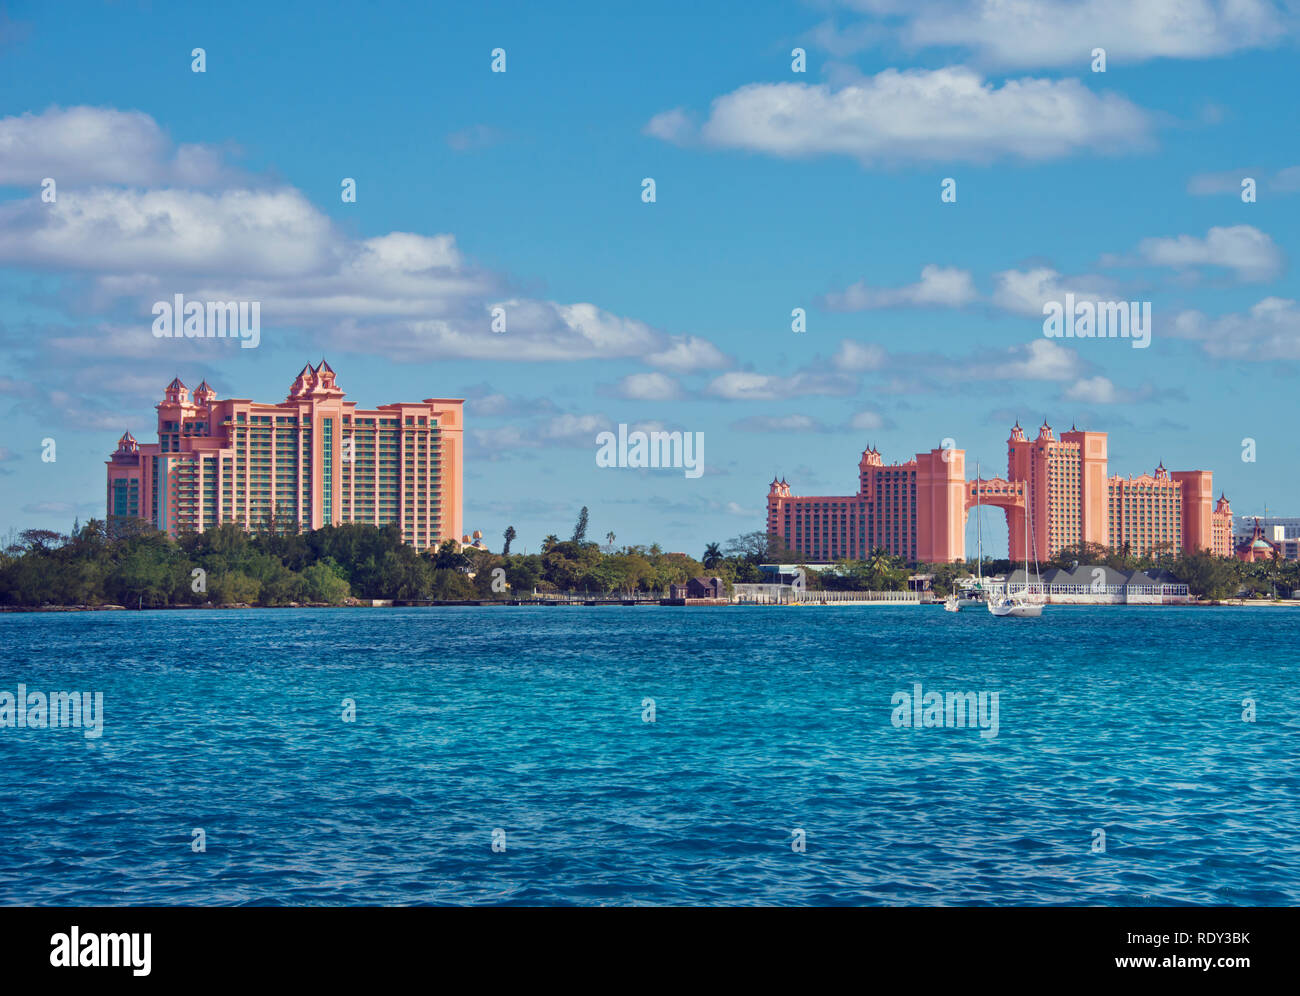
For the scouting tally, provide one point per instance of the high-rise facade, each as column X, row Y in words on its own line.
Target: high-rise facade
column 914, row 510
column 1072, row 500
column 309, row 461
column 918, row 510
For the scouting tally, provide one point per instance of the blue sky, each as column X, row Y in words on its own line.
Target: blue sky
column 775, row 190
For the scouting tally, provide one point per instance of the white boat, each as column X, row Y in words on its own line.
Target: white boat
column 1020, row 604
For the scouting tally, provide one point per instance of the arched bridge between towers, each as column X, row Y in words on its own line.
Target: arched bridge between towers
column 994, row 491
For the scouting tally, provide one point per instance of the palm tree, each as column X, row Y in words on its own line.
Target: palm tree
column 550, row 541
column 880, row 564
column 609, row 540
column 712, row 555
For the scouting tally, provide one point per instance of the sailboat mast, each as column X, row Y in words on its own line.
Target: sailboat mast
column 1027, row 508
column 979, row 532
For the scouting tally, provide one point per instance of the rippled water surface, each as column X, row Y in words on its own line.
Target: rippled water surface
column 529, row 720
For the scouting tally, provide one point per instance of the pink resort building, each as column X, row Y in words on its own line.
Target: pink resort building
column 912, row 509
column 311, row 460
column 918, row 510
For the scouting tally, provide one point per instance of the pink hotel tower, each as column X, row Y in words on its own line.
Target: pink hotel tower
column 313, row 459
column 918, row 510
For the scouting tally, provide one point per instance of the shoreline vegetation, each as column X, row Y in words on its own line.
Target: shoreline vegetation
column 130, row 565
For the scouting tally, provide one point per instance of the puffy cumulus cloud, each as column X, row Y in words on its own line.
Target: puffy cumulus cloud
column 939, row 287
column 1040, row 359
column 944, row 115
column 672, row 126
column 79, row 145
column 1024, row 292
column 538, row 331
column 856, row 356
column 1269, row 331
column 400, row 294
column 687, row 353
column 1250, row 254
column 273, row 233
column 746, row 385
column 1095, row 390
column 1031, row 33
column 648, row 387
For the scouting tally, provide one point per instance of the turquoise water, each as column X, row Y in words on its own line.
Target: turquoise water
column 767, row 720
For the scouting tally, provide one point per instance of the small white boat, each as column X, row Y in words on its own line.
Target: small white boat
column 952, row 604
column 1018, row 606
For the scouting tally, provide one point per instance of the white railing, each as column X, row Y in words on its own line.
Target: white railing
column 1126, row 590
column 786, row 595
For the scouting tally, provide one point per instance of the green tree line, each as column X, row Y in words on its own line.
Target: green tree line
column 132, row 564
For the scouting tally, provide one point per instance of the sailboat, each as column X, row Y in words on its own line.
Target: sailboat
column 1020, row 604
column 954, row 602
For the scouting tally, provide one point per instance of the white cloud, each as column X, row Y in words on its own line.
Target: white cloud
column 868, row 420
column 1251, row 254
column 859, row 356
column 1287, row 180
column 1039, row 359
column 169, row 231
column 649, row 387
column 1024, row 292
column 1024, row 33
column 483, row 402
column 1095, row 390
column 943, row 115
column 778, row 423
column 1269, row 331
column 687, row 353
column 939, row 287
column 672, row 126
column 509, row 437
column 77, row 145
column 489, row 405
column 568, row 429
column 742, row 385
column 402, row 294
